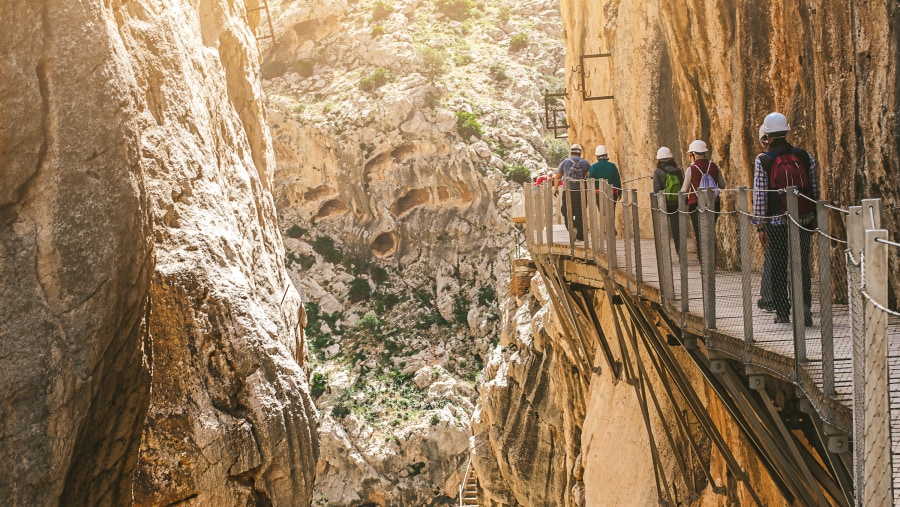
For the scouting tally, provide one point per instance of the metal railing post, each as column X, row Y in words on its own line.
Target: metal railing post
column 825, row 300
column 586, row 211
column 878, row 468
column 626, row 215
column 795, row 274
column 744, row 247
column 683, row 258
column 638, row 268
column 666, row 283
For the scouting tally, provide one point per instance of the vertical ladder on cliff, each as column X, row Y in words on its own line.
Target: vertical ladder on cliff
column 262, row 6
column 468, row 489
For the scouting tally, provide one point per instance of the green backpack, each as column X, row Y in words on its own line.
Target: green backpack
column 673, row 186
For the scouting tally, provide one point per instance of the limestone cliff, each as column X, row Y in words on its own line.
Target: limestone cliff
column 143, row 287
column 712, row 69
column 395, row 124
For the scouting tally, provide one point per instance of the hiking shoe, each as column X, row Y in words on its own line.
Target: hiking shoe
column 782, row 319
column 765, row 306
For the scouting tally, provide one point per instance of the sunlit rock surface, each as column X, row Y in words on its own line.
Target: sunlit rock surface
column 143, row 286
column 712, row 69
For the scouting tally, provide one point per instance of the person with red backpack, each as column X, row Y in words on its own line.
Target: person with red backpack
column 702, row 173
column 783, row 165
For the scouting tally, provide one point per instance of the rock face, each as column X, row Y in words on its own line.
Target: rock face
column 393, row 125
column 712, row 69
column 142, row 267
column 544, row 434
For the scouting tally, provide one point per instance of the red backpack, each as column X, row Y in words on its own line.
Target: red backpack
column 789, row 171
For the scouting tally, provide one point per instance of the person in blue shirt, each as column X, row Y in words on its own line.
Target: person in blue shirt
column 573, row 170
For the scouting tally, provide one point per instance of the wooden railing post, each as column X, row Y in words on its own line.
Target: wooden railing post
column 744, row 247
column 655, row 218
column 638, row 267
column 569, row 220
column 683, row 257
column 878, row 469
column 596, row 237
column 527, row 193
column 706, row 205
column 666, row 282
column 825, row 300
column 798, row 306
column 855, row 245
column 626, row 215
column 548, row 220
column 611, row 251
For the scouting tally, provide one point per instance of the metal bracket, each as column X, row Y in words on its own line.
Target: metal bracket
column 552, row 110
column 586, row 94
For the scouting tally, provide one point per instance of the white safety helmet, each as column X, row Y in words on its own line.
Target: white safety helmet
column 601, row 151
column 664, row 153
column 576, row 148
column 774, row 123
column 698, row 146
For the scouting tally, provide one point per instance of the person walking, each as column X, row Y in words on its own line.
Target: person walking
column 783, row 165
column 603, row 169
column 702, row 173
column 572, row 170
column 668, row 178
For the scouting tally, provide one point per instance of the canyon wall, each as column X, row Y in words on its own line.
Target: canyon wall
column 712, row 70
column 545, row 434
column 148, row 327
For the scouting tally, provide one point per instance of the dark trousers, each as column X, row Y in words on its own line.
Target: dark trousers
column 576, row 213
column 778, row 252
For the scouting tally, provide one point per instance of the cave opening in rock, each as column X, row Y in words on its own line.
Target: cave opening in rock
column 331, row 208
column 413, row 199
column 385, row 244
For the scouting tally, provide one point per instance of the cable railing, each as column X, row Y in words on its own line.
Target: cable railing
column 793, row 290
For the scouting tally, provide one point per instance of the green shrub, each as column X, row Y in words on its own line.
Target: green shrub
column 435, row 418
column 461, row 309
column 359, row 290
column 518, row 42
column 324, row 246
column 455, row 9
column 462, row 58
column 497, row 71
column 295, row 231
column 377, row 31
column 305, row 261
column 379, row 274
column 343, row 402
column 503, row 13
column 319, row 383
column 378, row 78
column 486, row 296
column 273, row 69
column 381, row 11
column 304, row 68
column 369, row 322
column 433, row 62
column 518, row 173
column 467, row 125
column 557, row 151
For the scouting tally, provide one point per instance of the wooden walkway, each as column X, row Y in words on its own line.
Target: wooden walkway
column 772, row 350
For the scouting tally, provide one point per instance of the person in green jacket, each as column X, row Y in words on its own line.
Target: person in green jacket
column 606, row 170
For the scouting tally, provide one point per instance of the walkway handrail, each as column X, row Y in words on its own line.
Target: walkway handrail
column 790, row 248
